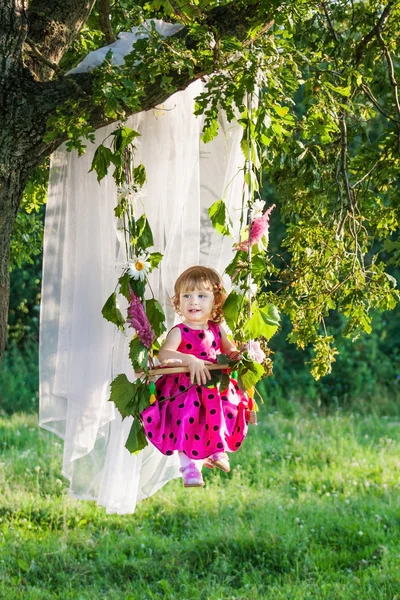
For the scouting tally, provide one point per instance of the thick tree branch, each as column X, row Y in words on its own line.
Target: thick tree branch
column 52, row 28
column 79, row 87
column 374, row 31
column 104, row 19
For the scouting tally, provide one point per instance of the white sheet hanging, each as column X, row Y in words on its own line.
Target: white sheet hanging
column 80, row 352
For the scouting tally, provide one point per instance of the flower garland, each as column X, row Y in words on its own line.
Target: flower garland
column 248, row 313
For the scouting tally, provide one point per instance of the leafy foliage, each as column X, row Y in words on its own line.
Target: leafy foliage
column 324, row 133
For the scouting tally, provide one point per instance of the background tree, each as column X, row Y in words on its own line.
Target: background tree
column 326, row 129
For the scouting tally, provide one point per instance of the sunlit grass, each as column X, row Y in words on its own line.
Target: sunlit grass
column 310, row 510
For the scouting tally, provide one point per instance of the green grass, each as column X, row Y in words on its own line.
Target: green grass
column 310, row 510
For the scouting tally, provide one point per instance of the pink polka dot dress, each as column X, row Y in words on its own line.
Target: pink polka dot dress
column 196, row 420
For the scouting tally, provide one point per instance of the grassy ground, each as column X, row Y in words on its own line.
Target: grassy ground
column 309, row 511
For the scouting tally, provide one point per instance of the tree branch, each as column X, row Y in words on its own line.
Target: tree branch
column 374, row 31
column 378, row 107
column 330, row 24
column 392, row 76
column 104, row 20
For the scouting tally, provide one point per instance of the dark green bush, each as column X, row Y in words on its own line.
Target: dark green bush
column 19, row 379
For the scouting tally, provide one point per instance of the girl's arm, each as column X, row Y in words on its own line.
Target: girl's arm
column 227, row 346
column 197, row 367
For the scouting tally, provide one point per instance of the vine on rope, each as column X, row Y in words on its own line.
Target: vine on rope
column 252, row 319
column 144, row 315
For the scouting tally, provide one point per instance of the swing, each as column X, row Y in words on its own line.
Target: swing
column 80, row 352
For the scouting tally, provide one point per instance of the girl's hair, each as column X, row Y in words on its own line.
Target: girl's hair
column 201, row 277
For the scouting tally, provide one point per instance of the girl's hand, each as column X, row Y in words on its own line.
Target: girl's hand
column 236, row 354
column 198, row 370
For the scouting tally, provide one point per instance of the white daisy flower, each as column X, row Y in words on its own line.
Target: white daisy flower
column 132, row 193
column 138, row 268
column 257, row 209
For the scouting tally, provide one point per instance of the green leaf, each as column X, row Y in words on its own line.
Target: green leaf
column 139, row 354
column 101, row 161
column 123, row 136
column 122, row 394
column 139, row 175
column 264, row 322
column 138, row 287
column 137, row 438
column 144, row 233
column 111, row 312
column 343, row 91
column 156, row 316
column 232, row 307
column 210, row 131
column 280, row 110
column 142, row 396
column 240, row 256
column 258, row 266
column 223, row 359
column 250, row 372
column 225, row 381
column 124, row 282
column 220, row 218
column 154, row 259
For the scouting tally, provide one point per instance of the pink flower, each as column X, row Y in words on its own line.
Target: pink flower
column 137, row 319
column 255, row 352
column 258, row 230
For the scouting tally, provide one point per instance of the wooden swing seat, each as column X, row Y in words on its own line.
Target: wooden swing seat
column 154, row 373
column 168, row 370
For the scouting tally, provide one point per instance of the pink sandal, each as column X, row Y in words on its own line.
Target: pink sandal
column 192, row 477
column 218, row 459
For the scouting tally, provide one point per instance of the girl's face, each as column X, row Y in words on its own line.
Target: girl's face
column 196, row 306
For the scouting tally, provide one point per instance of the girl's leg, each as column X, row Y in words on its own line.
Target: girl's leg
column 218, row 459
column 192, row 477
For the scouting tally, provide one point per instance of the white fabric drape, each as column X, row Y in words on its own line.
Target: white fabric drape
column 80, row 352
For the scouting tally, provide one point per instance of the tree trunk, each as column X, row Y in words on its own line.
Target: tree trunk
column 11, row 190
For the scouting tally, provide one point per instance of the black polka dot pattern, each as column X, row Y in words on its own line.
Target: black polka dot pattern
column 205, row 419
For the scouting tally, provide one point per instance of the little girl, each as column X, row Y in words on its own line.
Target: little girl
column 197, row 420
